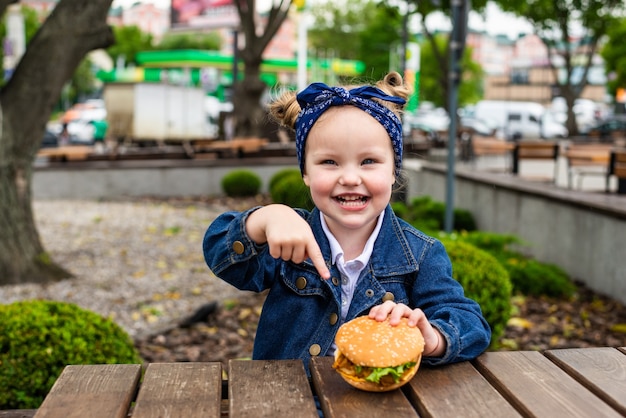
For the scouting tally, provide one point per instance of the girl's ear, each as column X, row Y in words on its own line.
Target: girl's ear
column 306, row 180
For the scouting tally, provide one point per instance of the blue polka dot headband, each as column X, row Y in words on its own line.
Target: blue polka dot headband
column 318, row 98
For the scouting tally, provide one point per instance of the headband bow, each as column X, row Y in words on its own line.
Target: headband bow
column 318, row 98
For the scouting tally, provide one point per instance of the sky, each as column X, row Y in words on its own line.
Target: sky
column 495, row 23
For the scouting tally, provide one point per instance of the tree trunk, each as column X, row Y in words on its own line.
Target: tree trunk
column 74, row 28
column 249, row 112
column 250, row 116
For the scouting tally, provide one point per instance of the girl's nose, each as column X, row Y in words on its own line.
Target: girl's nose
column 350, row 177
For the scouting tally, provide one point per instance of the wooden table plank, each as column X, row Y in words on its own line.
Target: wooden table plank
column 271, row 388
column 339, row 399
column 538, row 388
column 103, row 390
column 184, row 390
column 445, row 390
column 602, row 370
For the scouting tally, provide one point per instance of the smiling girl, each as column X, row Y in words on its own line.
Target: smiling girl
column 350, row 255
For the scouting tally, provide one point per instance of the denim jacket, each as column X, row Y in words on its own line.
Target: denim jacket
column 301, row 313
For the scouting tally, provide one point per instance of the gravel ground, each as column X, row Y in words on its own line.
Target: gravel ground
column 138, row 262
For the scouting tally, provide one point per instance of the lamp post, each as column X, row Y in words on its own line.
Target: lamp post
column 460, row 10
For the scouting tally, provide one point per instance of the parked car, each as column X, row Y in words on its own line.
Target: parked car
column 609, row 129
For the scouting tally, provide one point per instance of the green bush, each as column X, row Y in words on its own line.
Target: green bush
column 241, row 183
column 429, row 216
column 531, row 277
column 528, row 276
column 281, row 174
column 485, row 281
column 290, row 190
column 39, row 338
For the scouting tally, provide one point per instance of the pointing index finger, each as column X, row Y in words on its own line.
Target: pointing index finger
column 318, row 261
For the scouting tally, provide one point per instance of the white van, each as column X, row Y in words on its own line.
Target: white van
column 520, row 120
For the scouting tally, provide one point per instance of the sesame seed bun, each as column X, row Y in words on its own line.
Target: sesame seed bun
column 364, row 343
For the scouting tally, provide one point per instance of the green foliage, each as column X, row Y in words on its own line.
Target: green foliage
column 281, row 174
column 529, row 276
column 485, row 281
column 129, row 40
column 429, row 216
column 431, row 78
column 39, row 338
column 614, row 54
column 82, row 83
column 240, row 183
column 289, row 189
column 196, row 40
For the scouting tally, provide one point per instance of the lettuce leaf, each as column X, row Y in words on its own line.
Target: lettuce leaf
column 396, row 372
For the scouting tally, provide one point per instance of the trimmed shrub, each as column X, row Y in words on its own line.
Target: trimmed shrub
column 290, row 190
column 428, row 215
column 281, row 174
column 241, row 183
column 528, row 276
column 39, row 338
column 485, row 280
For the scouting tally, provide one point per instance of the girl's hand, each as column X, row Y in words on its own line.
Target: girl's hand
column 288, row 236
column 434, row 343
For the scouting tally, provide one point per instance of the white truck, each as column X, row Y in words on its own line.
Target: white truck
column 520, row 120
column 156, row 112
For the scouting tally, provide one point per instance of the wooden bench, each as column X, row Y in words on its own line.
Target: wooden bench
column 486, row 147
column 234, row 147
column 568, row 382
column 66, row 153
column 586, row 160
column 617, row 168
column 535, row 150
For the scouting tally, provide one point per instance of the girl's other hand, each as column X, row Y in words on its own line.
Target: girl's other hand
column 434, row 342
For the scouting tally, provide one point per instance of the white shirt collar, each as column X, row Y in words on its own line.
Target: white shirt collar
column 337, row 251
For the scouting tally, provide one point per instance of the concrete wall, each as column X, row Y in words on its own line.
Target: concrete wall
column 582, row 232
column 104, row 179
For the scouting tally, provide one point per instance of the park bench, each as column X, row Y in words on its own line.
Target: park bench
column 66, row 153
column 586, row 160
column 535, row 150
column 617, row 168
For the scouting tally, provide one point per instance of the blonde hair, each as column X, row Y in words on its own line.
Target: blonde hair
column 285, row 108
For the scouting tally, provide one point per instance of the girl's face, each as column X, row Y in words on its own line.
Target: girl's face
column 349, row 167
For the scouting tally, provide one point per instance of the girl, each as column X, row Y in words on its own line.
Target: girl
column 351, row 255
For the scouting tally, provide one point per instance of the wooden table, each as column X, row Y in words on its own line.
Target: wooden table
column 588, row 382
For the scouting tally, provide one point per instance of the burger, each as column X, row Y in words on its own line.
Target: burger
column 376, row 356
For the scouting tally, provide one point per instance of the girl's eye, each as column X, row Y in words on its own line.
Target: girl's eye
column 368, row 161
column 330, row 162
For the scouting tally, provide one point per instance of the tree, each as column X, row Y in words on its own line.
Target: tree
column 440, row 50
column 209, row 41
column 368, row 31
column 614, row 55
column 129, row 40
column 430, row 76
column 557, row 23
column 248, row 110
column 74, row 28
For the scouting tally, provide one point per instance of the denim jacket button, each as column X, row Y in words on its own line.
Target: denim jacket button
column 333, row 318
column 388, row 296
column 315, row 350
column 369, row 293
column 238, row 247
column 335, row 281
column 300, row 283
